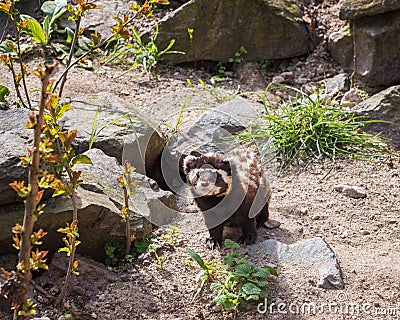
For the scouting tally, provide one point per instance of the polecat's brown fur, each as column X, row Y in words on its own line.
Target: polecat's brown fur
column 229, row 188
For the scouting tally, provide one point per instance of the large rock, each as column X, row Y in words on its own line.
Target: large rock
column 14, row 141
column 99, row 201
column 268, row 29
column 340, row 46
column 213, row 131
column 314, row 251
column 384, row 105
column 121, row 130
column 354, row 9
column 148, row 200
column 377, row 47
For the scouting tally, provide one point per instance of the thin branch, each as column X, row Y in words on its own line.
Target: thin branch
column 71, row 54
column 353, row 74
column 91, row 50
column 21, row 64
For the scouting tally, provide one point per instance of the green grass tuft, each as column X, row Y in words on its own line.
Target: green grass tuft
column 310, row 129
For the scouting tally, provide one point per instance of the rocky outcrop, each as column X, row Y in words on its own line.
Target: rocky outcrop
column 116, row 128
column 375, row 26
column 354, row 9
column 119, row 131
column 384, row 105
column 267, row 29
column 99, row 199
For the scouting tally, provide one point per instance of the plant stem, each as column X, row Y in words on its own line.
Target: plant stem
column 71, row 54
column 73, row 244
column 352, row 77
column 32, row 199
column 21, row 64
column 92, row 49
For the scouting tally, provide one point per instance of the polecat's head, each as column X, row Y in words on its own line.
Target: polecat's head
column 208, row 175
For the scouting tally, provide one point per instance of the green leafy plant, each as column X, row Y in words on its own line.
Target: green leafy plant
column 41, row 33
column 166, row 240
column 115, row 252
column 145, row 55
column 237, row 282
column 264, row 64
column 4, row 91
column 309, row 129
column 129, row 186
column 238, row 57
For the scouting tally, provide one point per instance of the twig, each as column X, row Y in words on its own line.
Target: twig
column 353, row 74
column 21, row 64
column 91, row 50
column 71, row 54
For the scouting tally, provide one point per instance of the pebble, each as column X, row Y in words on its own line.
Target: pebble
column 272, row 224
column 350, row 98
column 125, row 93
column 351, row 191
column 365, row 232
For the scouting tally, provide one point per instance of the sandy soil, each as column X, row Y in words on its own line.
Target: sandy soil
column 364, row 233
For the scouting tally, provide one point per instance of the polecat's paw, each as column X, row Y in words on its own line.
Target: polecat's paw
column 213, row 243
column 247, row 238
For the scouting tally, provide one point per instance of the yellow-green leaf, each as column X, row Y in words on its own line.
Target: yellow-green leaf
column 34, row 29
column 81, row 159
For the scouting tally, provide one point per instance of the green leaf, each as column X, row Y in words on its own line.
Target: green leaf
column 3, row 93
column 34, row 29
column 261, row 273
column 46, row 28
column 7, row 47
column 251, row 289
column 244, row 270
column 195, row 256
column 272, row 270
column 216, row 286
column 80, row 159
column 231, row 244
column 57, row 193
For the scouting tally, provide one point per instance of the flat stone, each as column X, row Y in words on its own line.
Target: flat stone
column 384, row 105
column 354, row 192
column 314, row 251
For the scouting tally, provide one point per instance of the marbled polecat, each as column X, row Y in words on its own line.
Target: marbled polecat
column 229, row 188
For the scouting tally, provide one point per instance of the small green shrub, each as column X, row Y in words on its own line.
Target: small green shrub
column 139, row 54
column 237, row 281
column 309, row 129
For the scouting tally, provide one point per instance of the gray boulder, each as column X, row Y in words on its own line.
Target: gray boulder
column 354, row 9
column 14, row 141
column 121, row 131
column 384, row 105
column 99, row 199
column 148, row 200
column 340, row 46
column 212, row 132
column 267, row 29
column 377, row 46
column 314, row 251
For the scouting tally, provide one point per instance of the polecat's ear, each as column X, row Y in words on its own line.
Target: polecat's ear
column 189, row 163
column 226, row 166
